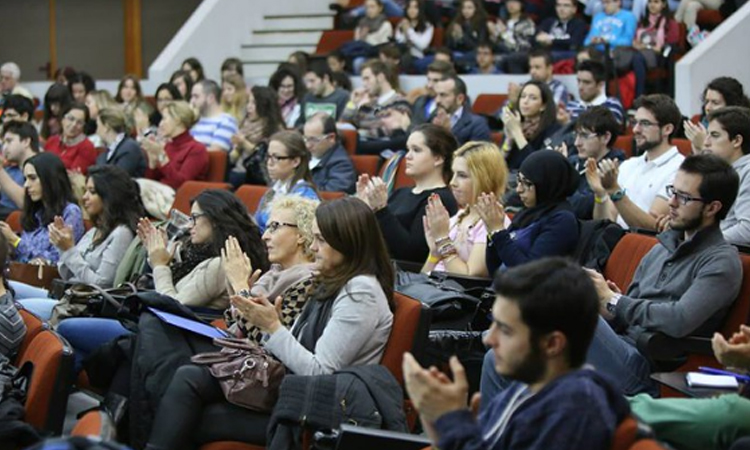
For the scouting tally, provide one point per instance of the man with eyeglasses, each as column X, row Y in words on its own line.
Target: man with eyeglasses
column 633, row 194
column 728, row 137
column 20, row 142
column 332, row 168
column 562, row 34
column 683, row 286
column 72, row 146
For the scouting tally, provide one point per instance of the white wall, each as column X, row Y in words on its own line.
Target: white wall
column 724, row 53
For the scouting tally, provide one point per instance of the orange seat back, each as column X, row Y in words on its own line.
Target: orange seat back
column 497, row 138
column 400, row 177
column 217, row 166
column 437, row 37
column 98, row 424
column 647, row 444
column 349, row 140
column 408, row 334
column 330, row 195
column 366, row 164
column 625, row 258
column 34, row 326
column 625, row 435
column 190, row 189
column 14, row 221
column 250, row 195
column 684, row 146
column 625, row 143
column 488, row 104
column 331, row 40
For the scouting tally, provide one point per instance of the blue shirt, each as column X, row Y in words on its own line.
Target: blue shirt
column 618, row 29
column 16, row 174
column 302, row 189
column 36, row 244
column 216, row 131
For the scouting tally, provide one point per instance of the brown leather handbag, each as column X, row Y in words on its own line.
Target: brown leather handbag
column 247, row 374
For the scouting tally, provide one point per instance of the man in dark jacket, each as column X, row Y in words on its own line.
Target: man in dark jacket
column 424, row 106
column 564, row 34
column 454, row 112
column 544, row 318
column 332, row 168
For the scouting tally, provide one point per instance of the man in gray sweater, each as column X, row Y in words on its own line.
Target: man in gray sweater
column 728, row 137
column 683, row 286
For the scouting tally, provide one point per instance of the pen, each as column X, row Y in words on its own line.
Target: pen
column 711, row 370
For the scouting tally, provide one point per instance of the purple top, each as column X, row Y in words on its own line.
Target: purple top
column 36, row 244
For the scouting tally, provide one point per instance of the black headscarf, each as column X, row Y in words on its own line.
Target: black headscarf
column 554, row 178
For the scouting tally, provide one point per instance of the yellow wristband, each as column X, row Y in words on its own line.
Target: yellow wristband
column 17, row 241
column 433, row 259
column 600, row 200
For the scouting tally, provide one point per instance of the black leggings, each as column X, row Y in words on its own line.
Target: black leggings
column 194, row 412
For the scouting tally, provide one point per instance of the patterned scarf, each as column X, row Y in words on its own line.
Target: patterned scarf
column 191, row 256
column 531, row 127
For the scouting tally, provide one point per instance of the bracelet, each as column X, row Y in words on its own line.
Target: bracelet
column 600, row 200
column 492, row 234
column 432, row 259
column 16, row 242
column 442, row 240
column 447, row 250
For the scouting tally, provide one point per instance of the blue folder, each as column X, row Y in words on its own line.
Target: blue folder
column 189, row 324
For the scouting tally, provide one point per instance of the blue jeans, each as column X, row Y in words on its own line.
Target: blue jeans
column 23, row 290
column 42, row 307
column 390, row 8
column 86, row 334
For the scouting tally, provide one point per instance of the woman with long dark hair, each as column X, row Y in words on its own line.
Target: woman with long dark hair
column 287, row 83
column 263, row 119
column 129, row 93
column 530, row 123
column 346, row 323
column 415, row 31
column 57, row 100
column 183, row 82
column 720, row 92
column 194, row 68
column 466, row 31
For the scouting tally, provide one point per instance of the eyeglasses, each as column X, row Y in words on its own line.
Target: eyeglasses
column 194, row 217
column 72, row 118
column 585, row 135
column 276, row 158
column 522, row 181
column 644, row 123
column 314, row 140
column 273, row 226
column 684, row 199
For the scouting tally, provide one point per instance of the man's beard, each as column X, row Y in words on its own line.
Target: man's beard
column 532, row 368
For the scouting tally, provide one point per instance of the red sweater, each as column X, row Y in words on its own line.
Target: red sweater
column 188, row 161
column 79, row 156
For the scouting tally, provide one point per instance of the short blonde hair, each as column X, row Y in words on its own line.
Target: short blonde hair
column 304, row 214
column 181, row 111
column 115, row 118
column 487, row 168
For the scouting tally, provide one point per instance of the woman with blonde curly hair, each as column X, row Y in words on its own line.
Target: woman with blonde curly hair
column 457, row 244
column 234, row 96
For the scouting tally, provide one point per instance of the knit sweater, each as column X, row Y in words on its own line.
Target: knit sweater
column 188, row 161
column 12, row 326
column 736, row 226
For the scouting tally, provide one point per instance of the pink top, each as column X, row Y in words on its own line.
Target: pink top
column 667, row 33
column 464, row 242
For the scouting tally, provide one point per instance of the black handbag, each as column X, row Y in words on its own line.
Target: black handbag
column 88, row 300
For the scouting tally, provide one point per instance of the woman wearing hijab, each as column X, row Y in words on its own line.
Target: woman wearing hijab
column 546, row 226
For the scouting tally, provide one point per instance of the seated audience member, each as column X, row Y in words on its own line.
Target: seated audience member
column 57, row 100
column 122, row 150
column 391, row 8
column 543, row 321
column 336, row 62
column 395, row 118
column 47, row 194
column 355, row 285
column 341, row 80
column 72, row 146
column 214, row 128
column 720, row 92
column 165, row 93
column 424, row 105
column 378, row 89
column 109, row 203
column 633, row 194
column 391, row 54
column 458, row 243
column 232, row 66
column 331, row 167
column 428, row 162
column 592, row 84
column 262, row 119
column 613, row 26
column 414, row 31
column 288, row 166
column 691, row 263
column 715, row 422
column 129, row 93
column 80, row 86
column 485, row 61
column 563, row 34
column 98, row 100
column 14, row 328
column 546, row 226
column 596, row 132
column 729, row 138
column 529, row 124
column 655, row 31
column 513, row 37
column 194, row 68
column 372, row 30
column 287, row 83
column 687, row 13
column 170, row 164
column 10, row 76
column 298, row 61
column 20, row 142
column 454, row 112
column 321, row 95
column 541, row 69
column 183, row 82
column 17, row 108
column 234, row 96
column 466, row 31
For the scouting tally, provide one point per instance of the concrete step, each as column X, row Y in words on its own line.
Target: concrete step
column 265, row 37
column 272, row 52
column 313, row 22
column 260, row 69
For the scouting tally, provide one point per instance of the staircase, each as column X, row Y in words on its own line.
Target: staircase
column 280, row 35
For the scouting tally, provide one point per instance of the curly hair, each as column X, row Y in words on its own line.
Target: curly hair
column 304, row 214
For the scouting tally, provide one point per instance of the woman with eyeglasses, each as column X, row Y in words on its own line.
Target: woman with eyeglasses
column 346, row 322
column 288, row 166
column 72, row 146
column 287, row 82
column 108, row 201
column 457, row 244
column 546, row 226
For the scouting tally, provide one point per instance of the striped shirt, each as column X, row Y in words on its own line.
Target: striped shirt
column 12, row 326
column 576, row 107
column 215, row 131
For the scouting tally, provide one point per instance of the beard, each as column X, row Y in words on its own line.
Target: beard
column 688, row 224
column 648, row 145
column 532, row 367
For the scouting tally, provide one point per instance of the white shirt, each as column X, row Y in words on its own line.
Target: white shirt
column 645, row 180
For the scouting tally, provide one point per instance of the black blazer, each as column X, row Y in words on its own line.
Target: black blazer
column 128, row 156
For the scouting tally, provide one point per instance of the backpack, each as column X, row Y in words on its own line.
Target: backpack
column 597, row 240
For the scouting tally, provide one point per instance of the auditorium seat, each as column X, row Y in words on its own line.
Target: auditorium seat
column 217, row 166
column 190, row 189
column 349, row 140
column 250, row 195
column 401, row 179
column 488, row 104
column 684, row 146
column 14, row 221
column 96, row 424
column 625, row 143
column 366, row 164
column 497, row 138
column 331, row 40
column 625, row 258
column 34, row 326
column 330, row 195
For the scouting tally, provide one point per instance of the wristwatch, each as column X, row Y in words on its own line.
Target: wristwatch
column 612, row 303
column 244, row 293
column 617, row 195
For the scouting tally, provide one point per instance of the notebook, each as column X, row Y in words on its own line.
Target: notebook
column 189, row 324
column 697, row 379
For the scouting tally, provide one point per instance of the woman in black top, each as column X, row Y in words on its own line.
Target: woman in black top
column 428, row 163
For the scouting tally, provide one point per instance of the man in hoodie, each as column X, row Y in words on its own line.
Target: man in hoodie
column 544, row 318
column 728, row 137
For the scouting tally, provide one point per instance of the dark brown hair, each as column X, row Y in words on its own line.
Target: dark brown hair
column 441, row 142
column 296, row 148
